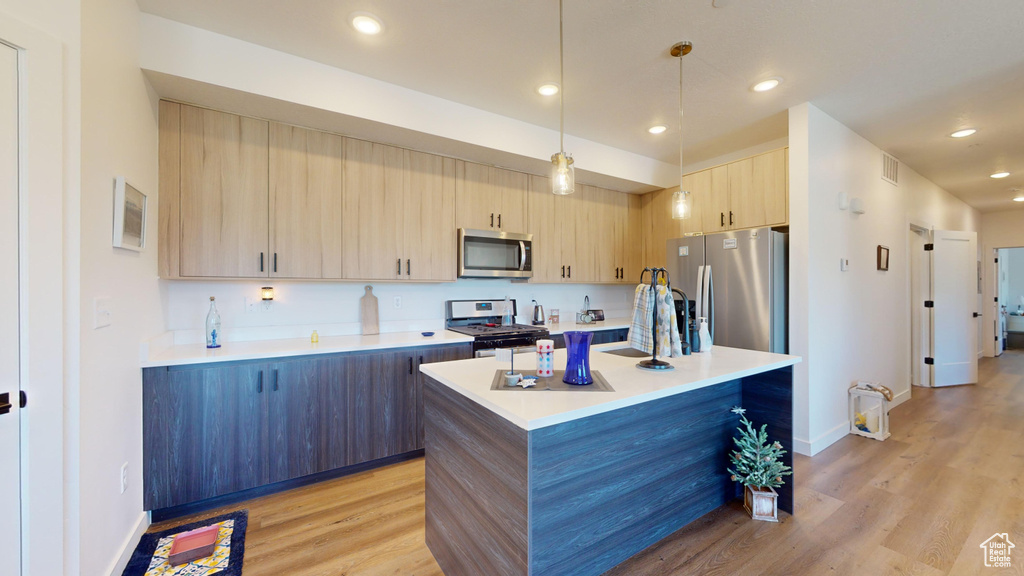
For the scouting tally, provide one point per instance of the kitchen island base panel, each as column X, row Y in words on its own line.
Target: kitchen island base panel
column 583, row 496
column 476, row 480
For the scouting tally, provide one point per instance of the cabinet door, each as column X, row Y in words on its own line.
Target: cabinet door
column 632, row 252
column 659, row 228
column 335, row 428
column 477, row 203
column 746, row 204
column 224, row 198
column 429, row 212
column 381, row 404
column 373, row 217
column 305, row 203
column 547, row 242
column 716, row 208
column 513, row 188
column 294, row 412
column 204, row 433
column 699, row 186
column 607, row 233
column 771, row 183
column 587, row 213
column 567, row 216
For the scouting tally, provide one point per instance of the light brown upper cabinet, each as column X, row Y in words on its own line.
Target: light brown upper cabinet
column 305, row 203
column 771, row 182
column 716, row 206
column 399, row 214
column 489, row 198
column 214, row 199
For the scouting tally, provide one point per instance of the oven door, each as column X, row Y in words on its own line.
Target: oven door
column 486, row 254
column 491, row 352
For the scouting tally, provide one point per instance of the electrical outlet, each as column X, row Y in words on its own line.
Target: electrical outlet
column 102, row 315
column 266, row 305
column 844, row 264
column 124, row 477
column 398, row 301
column 251, row 305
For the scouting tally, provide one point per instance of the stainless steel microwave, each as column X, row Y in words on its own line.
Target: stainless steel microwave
column 486, row 254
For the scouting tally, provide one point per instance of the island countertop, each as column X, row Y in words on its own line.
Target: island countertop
column 534, row 409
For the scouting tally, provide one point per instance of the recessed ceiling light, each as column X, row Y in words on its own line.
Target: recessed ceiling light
column 963, row 133
column 766, row 85
column 656, row 129
column 1019, row 198
column 1018, row 194
column 547, row 89
column 1000, row 175
column 366, row 23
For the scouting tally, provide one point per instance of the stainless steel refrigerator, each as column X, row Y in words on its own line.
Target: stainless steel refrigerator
column 749, row 270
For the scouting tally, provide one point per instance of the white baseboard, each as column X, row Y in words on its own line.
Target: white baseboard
column 129, row 546
column 821, row 442
column 900, row 398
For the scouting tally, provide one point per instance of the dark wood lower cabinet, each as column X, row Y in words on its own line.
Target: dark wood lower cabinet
column 600, row 337
column 214, row 429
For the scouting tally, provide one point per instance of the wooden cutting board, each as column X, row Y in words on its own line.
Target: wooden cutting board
column 368, row 314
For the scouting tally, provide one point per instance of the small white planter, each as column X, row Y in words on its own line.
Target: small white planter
column 761, row 503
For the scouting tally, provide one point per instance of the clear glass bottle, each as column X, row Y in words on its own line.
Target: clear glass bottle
column 507, row 319
column 213, row 326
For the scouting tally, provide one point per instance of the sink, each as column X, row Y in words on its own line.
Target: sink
column 627, row 352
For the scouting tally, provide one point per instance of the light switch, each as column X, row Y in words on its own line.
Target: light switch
column 101, row 312
column 844, row 264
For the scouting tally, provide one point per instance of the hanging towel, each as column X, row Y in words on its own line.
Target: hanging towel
column 640, row 336
column 669, row 343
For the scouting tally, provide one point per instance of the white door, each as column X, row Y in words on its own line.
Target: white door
column 10, row 378
column 997, row 313
column 954, row 315
column 920, row 320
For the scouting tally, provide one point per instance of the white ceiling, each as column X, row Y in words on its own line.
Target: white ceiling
column 902, row 73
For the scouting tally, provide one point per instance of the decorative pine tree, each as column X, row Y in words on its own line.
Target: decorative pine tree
column 756, row 462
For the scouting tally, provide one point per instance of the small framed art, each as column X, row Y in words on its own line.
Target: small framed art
column 129, row 216
column 883, row 257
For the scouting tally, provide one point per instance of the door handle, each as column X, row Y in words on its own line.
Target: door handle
column 410, row 364
column 259, row 383
column 261, row 261
column 563, row 271
column 275, row 262
column 399, row 262
column 730, row 217
column 408, row 267
column 499, row 220
column 976, row 315
column 570, row 271
column 275, row 380
column 522, row 251
column 5, row 403
column 722, row 215
column 492, row 219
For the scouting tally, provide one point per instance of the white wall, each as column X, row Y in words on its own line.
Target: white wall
column 333, row 307
column 119, row 137
column 851, row 325
column 1001, row 229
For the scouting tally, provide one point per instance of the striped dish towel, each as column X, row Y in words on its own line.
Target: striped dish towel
column 669, row 343
column 640, row 336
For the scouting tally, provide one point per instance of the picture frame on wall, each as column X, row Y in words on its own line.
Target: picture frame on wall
column 883, row 257
column 129, row 216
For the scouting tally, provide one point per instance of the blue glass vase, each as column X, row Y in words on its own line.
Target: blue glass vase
column 577, row 367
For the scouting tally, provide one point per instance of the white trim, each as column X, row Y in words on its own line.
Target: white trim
column 823, row 441
column 129, row 545
column 42, row 282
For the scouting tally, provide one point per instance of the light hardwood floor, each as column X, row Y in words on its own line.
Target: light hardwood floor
column 918, row 503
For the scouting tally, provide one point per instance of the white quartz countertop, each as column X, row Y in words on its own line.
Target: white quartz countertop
column 609, row 324
column 533, row 409
column 261, row 349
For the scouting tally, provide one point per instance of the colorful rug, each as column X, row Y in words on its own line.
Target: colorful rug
column 150, row 556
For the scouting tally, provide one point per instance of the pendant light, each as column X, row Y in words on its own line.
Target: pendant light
column 563, row 181
column 682, row 200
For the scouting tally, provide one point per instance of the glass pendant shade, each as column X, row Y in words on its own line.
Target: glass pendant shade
column 563, row 181
column 682, row 205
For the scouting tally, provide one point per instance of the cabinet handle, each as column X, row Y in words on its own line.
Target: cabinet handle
column 259, row 383
column 499, row 220
column 275, row 262
column 722, row 214
column 408, row 267
column 261, row 261
column 563, row 271
column 421, row 360
column 410, row 364
column 492, row 219
column 730, row 217
column 570, row 271
column 399, row 262
column 275, row 380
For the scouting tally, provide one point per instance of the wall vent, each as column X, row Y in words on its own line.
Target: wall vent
column 890, row 169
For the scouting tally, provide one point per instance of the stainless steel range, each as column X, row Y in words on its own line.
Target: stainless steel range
column 481, row 319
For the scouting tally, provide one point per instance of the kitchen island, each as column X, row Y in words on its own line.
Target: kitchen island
column 548, row 482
